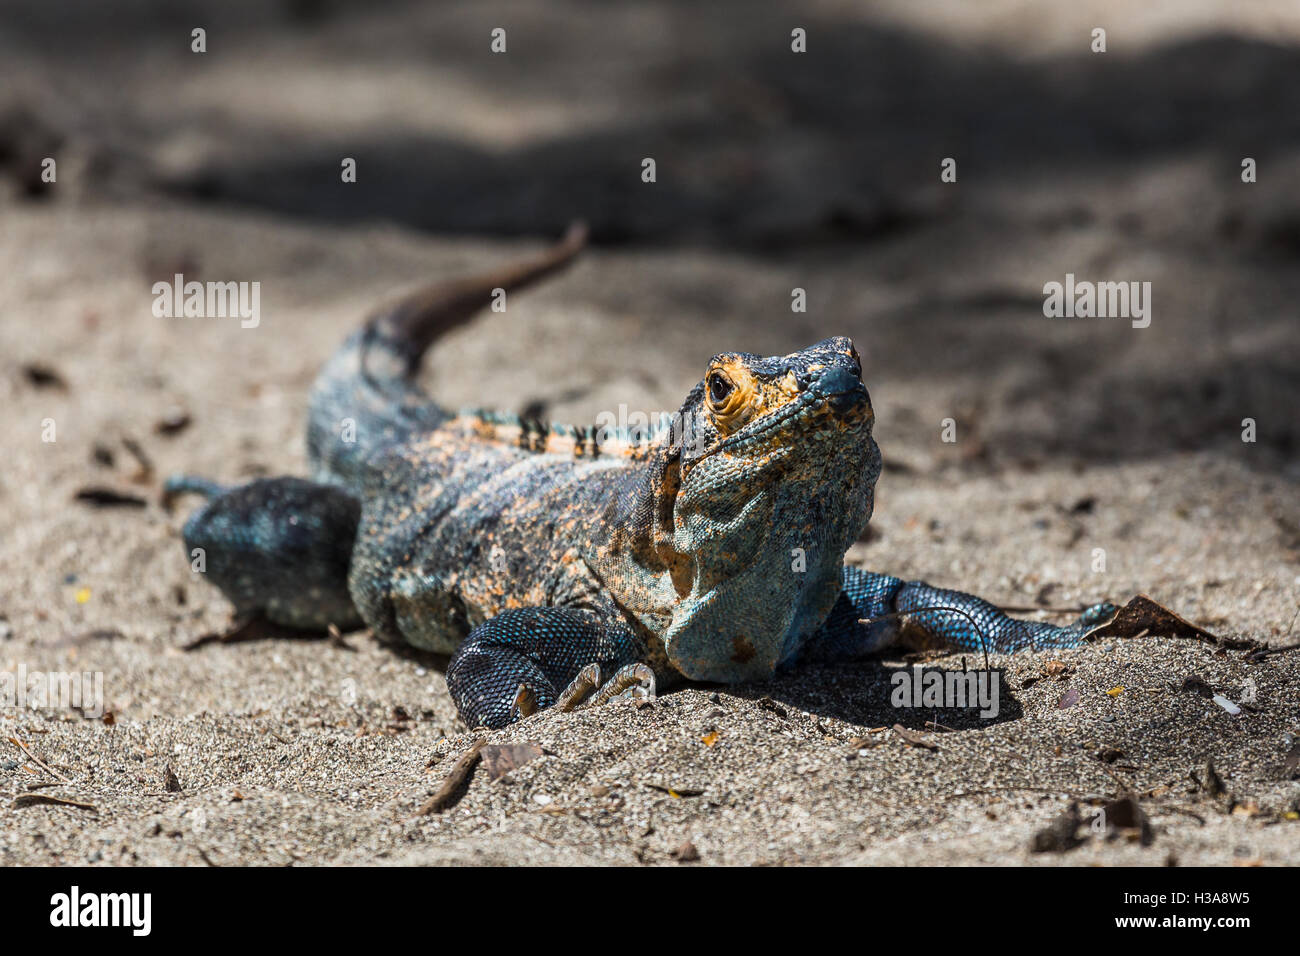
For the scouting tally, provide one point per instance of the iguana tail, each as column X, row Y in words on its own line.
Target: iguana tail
column 366, row 397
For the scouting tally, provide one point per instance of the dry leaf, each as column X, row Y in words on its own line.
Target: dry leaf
column 500, row 759
column 1143, row 614
column 1068, row 699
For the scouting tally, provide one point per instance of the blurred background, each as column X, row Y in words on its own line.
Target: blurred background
column 1122, row 166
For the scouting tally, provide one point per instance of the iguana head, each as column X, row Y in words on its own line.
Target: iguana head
column 739, row 531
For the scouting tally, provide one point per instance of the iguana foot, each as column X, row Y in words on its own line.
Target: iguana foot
column 516, row 663
column 1096, row 615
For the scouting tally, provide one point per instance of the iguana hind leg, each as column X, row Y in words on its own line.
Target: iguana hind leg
column 278, row 548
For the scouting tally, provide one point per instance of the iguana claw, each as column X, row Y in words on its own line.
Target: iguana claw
column 632, row 682
column 580, row 688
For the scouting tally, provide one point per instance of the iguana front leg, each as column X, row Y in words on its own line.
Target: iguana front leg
column 935, row 617
column 528, row 659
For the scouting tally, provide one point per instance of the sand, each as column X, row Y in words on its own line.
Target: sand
column 1072, row 435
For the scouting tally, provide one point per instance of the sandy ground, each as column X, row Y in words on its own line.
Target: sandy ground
column 1072, row 436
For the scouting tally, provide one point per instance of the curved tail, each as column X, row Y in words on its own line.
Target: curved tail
column 366, row 398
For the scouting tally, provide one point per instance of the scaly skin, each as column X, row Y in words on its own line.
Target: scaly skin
column 710, row 549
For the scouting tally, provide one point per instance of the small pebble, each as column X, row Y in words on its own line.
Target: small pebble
column 1227, row 705
column 686, row 853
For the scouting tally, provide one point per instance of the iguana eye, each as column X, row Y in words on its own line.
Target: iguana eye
column 719, row 388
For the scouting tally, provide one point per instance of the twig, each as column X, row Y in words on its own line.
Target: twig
column 1264, row 652
column 970, row 618
column 1114, row 779
column 36, row 760
column 459, row 774
column 1157, row 808
column 1073, row 794
column 337, row 639
column 36, row 799
column 145, row 470
column 1029, row 608
column 915, row 739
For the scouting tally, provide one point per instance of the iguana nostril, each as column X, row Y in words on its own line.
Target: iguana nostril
column 837, row 381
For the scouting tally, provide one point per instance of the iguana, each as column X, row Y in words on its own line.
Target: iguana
column 558, row 565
